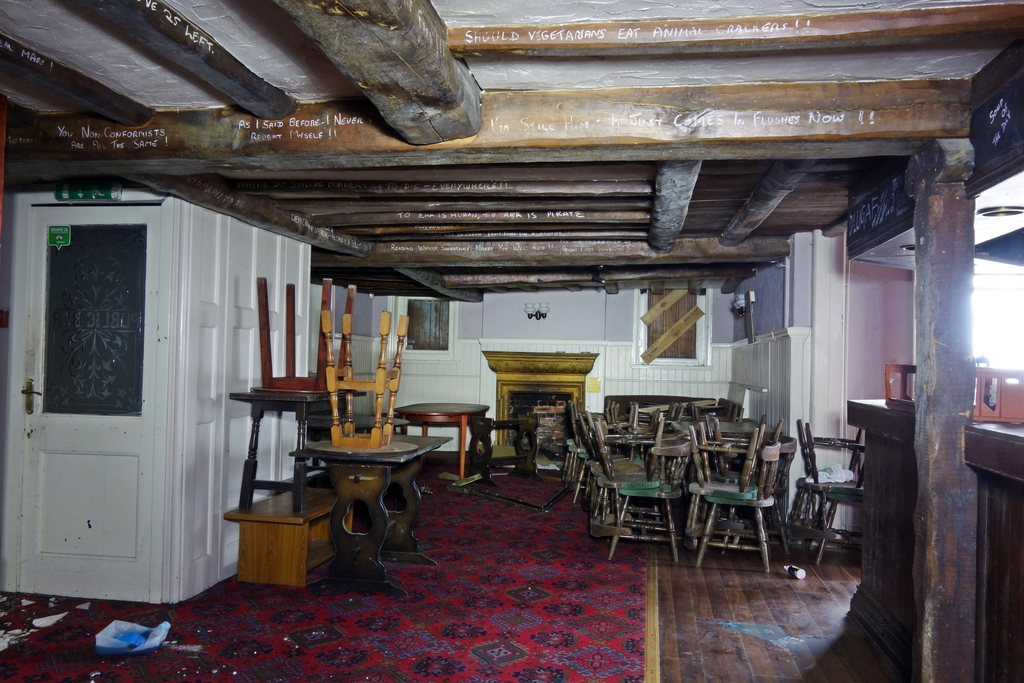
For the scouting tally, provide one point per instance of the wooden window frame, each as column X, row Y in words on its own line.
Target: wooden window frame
column 703, row 328
column 399, row 305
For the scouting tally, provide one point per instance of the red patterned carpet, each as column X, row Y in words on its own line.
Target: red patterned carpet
column 516, row 596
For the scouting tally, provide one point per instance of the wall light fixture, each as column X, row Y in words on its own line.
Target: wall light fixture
column 537, row 311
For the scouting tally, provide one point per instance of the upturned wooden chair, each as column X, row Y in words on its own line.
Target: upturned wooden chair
column 341, row 381
column 289, row 381
column 720, row 450
column 606, row 477
column 724, row 527
column 578, row 454
column 812, row 516
column 645, row 512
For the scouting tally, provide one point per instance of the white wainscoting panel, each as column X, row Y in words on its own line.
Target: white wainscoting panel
column 218, row 354
column 775, row 371
column 467, row 379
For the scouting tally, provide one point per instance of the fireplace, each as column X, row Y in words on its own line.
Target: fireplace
column 541, row 384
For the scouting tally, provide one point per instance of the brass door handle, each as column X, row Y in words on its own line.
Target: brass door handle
column 29, row 393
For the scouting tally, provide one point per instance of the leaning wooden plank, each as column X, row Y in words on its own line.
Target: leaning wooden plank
column 671, row 334
column 163, row 29
column 24, row 63
column 396, row 52
column 658, row 309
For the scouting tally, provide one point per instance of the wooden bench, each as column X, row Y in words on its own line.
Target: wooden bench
column 279, row 546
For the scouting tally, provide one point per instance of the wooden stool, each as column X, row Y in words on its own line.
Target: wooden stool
column 279, row 546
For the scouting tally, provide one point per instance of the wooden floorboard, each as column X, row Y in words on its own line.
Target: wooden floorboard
column 730, row 622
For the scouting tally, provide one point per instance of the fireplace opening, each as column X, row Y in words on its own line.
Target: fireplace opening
column 552, row 413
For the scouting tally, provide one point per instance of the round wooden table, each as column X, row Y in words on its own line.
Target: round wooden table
column 445, row 413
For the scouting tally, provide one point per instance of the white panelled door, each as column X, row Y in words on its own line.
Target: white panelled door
column 87, row 465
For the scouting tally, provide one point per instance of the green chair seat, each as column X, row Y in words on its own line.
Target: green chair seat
column 643, row 489
column 723, row 497
column 845, row 494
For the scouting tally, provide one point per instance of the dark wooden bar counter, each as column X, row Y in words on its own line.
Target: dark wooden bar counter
column 996, row 451
column 884, row 602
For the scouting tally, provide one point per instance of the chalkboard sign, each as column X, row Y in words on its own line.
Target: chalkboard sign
column 997, row 134
column 878, row 216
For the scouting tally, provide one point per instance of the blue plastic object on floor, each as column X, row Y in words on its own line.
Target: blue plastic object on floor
column 126, row 638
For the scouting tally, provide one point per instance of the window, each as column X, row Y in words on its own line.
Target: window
column 433, row 327
column 692, row 348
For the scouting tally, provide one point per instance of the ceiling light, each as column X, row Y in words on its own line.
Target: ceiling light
column 907, row 247
column 1000, row 211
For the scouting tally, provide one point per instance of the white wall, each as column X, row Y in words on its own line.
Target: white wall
column 579, row 322
column 881, row 326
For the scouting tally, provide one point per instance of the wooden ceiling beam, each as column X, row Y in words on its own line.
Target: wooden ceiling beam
column 322, row 208
column 738, row 35
column 545, row 253
column 480, row 187
column 167, row 32
column 604, row 276
column 433, row 280
column 829, row 120
column 211, row 192
column 19, row 116
column 396, row 52
column 398, row 235
column 555, row 219
column 25, row 64
column 732, row 284
column 673, row 189
column 773, row 188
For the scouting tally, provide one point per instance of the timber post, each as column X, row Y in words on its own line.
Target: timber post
column 945, row 518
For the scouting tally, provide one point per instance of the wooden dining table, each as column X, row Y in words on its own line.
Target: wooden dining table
column 368, row 475
column 427, row 414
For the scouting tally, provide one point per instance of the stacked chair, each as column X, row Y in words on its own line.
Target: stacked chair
column 816, row 502
column 644, row 510
column 342, row 384
column 727, row 495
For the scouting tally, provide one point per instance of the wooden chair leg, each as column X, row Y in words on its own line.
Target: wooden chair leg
column 620, row 517
column 582, row 467
column 780, row 525
column 830, row 518
column 762, row 538
column 709, row 528
column 670, row 523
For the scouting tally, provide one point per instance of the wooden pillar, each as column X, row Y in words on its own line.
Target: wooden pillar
column 945, row 518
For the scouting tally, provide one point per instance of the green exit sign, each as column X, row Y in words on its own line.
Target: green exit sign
column 58, row 236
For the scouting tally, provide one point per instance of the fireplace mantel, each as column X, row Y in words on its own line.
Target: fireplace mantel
column 540, row 363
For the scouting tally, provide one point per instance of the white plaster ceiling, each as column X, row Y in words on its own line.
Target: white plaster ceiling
column 260, row 35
